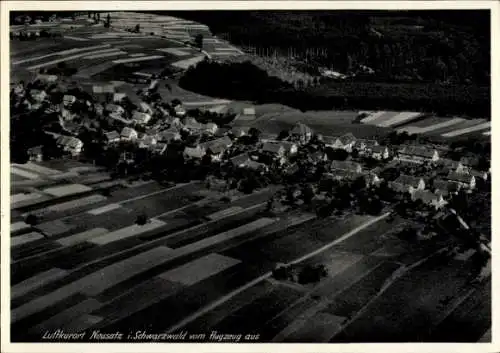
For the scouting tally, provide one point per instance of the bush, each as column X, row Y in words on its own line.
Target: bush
column 32, row 219
column 141, row 220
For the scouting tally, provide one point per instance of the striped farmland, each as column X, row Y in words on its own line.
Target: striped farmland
column 467, row 130
column 430, row 124
column 399, row 118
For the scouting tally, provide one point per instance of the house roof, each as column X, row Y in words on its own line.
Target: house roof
column 469, row 161
column 370, row 144
column 408, row 180
column 317, row 156
column 128, row 132
column 272, row 147
column 458, row 177
column 240, row 130
column 248, row 111
column 240, row 159
column 119, row 96
column 103, row 89
column 399, row 187
column 426, row 196
column 347, row 138
column 301, row 129
column 449, row 163
column 35, row 150
column 478, row 174
column 112, row 135
column 345, row 165
column 141, row 118
column 191, row 123
column 218, row 145
column 144, row 106
column 167, row 135
column 347, row 174
column 419, row 151
column 379, row 149
column 195, row 152
column 69, row 141
column 255, row 165
column 69, row 98
column 114, row 108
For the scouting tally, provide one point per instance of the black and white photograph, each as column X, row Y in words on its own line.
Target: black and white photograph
column 248, row 175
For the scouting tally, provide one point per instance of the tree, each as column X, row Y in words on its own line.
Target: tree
column 198, row 40
column 137, row 28
column 141, row 219
column 254, row 134
column 283, row 135
column 32, row 219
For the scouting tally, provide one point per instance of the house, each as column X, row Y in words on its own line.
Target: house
column 216, row 148
column 240, row 159
column 141, row 118
column 239, row 131
column 469, row 162
column 68, row 100
column 279, row 149
column 145, row 108
column 38, row 95
column 98, row 89
column 444, row 187
column 463, row 180
column 159, row 148
column 301, row 132
column 479, row 174
column 114, row 109
column 191, row 124
column 147, row 141
column 70, row 144
column 407, row 183
column 194, row 152
column 180, row 111
column 66, row 115
column 251, row 164
column 453, row 166
column 35, row 153
column 246, row 114
column 345, row 175
column 362, row 145
column 346, row 166
column 417, row 154
column 345, row 142
column 128, row 134
column 210, row 128
column 169, row 135
column 429, row 198
column 118, row 97
column 380, row 152
column 47, row 79
column 112, row 137
column 317, row 157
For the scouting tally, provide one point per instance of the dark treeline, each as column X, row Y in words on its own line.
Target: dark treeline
column 245, row 81
column 399, row 45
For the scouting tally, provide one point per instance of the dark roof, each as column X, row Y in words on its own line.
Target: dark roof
column 218, row 145
column 425, row 195
column 301, row 129
column 240, row 159
column 408, row 180
column 462, row 178
column 420, row 151
column 345, row 165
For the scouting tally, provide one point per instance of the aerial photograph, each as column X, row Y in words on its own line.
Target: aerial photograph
column 253, row 176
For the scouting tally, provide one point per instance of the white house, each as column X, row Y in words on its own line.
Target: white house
column 118, row 97
column 345, row 142
column 38, row 95
column 70, row 144
column 194, row 152
column 180, row 111
column 128, row 134
column 380, row 152
column 216, row 148
column 408, row 183
column 141, row 118
column 429, row 198
column 301, row 132
column 112, row 137
column 463, row 180
column 417, row 154
column 47, row 78
column 68, row 100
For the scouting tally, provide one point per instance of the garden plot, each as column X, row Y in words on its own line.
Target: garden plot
column 144, row 58
column 430, row 124
column 137, row 55
column 54, row 228
column 24, row 174
column 81, row 237
column 461, row 125
column 18, row 198
column 199, row 269
column 104, row 209
column 399, row 118
column 127, row 232
column 195, row 104
column 463, row 131
column 185, row 64
column 65, row 206
column 176, row 51
column 69, row 58
column 225, row 213
column 115, row 52
column 318, row 328
column 35, row 282
column 61, row 53
column 25, row 239
column 37, row 168
column 65, row 190
column 76, row 38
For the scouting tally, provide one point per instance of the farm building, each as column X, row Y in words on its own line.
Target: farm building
column 194, row 152
column 429, row 198
column 238, row 131
column 216, row 148
column 35, row 153
column 345, row 142
column 346, row 166
column 380, row 152
column 128, row 134
column 147, row 141
column 47, row 79
column 454, row 166
column 70, row 144
column 301, row 133
column 417, row 154
column 68, row 100
column 407, row 183
column 112, row 137
column 38, row 95
column 114, row 109
column 463, row 180
column 141, row 118
column 118, row 97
